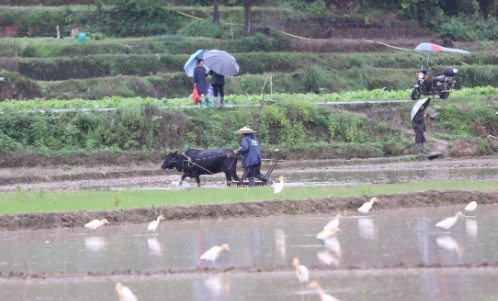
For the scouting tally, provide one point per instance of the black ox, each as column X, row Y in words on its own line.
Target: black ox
column 195, row 162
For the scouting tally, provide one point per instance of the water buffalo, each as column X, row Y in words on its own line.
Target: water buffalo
column 203, row 162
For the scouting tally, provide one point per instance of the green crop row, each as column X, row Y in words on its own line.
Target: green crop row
column 64, row 68
column 116, row 102
column 175, row 85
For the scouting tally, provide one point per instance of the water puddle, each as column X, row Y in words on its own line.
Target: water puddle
column 382, row 237
column 441, row 285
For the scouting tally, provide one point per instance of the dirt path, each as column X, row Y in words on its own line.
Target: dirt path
column 244, row 209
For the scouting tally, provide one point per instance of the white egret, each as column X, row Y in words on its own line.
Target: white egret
column 333, row 223
column 327, row 258
column 367, row 206
column 303, row 275
column 326, row 234
column 152, row 226
column 214, row 252
column 124, row 293
column 280, row 186
column 96, row 223
column 450, row 221
column 321, row 294
column 471, row 206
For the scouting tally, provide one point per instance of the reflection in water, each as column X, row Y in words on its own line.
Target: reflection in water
column 449, row 244
column 334, row 245
column 95, row 243
column 471, row 225
column 366, row 227
column 327, row 258
column 155, row 247
column 280, row 243
column 421, row 173
column 218, row 285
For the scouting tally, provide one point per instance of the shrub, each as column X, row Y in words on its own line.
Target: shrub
column 313, row 79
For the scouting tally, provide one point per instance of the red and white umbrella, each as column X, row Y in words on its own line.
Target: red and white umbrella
column 430, row 47
column 433, row 47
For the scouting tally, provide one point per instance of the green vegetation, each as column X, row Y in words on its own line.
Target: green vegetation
column 22, row 201
column 293, row 122
column 115, row 102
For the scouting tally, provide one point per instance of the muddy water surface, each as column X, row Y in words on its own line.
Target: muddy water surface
column 442, row 285
column 379, row 174
column 384, row 236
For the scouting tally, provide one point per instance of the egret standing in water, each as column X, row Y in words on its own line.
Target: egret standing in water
column 303, row 275
column 152, row 226
column 471, row 206
column 96, row 223
column 124, row 293
column 280, row 186
column 367, row 206
column 450, row 221
column 326, row 234
column 321, row 294
column 214, row 252
column 334, row 223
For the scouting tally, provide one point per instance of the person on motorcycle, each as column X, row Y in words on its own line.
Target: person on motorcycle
column 418, row 125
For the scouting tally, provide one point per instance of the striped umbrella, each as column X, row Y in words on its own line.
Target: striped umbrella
column 221, row 62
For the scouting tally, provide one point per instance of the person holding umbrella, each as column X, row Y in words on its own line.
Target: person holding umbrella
column 217, row 81
column 251, row 156
column 418, row 124
column 200, row 82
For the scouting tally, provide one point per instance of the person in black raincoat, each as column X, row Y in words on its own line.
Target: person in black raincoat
column 218, row 82
column 251, row 156
column 418, row 125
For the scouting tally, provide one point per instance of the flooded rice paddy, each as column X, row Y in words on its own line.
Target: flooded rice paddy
column 293, row 178
column 382, row 237
column 407, row 285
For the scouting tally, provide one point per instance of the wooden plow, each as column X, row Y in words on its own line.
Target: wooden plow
column 244, row 183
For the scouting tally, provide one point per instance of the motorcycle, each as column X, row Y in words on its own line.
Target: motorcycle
column 440, row 85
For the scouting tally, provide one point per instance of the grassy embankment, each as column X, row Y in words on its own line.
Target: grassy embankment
column 139, row 73
column 129, row 67
column 40, row 201
column 295, row 125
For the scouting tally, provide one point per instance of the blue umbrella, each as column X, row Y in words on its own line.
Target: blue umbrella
column 423, row 102
column 191, row 64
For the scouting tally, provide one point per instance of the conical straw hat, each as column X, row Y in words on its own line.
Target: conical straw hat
column 245, row 130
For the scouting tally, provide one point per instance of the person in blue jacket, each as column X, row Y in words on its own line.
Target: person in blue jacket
column 251, row 156
column 200, row 74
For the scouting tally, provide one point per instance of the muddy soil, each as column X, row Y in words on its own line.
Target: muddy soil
column 240, row 269
column 76, row 177
column 244, row 209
